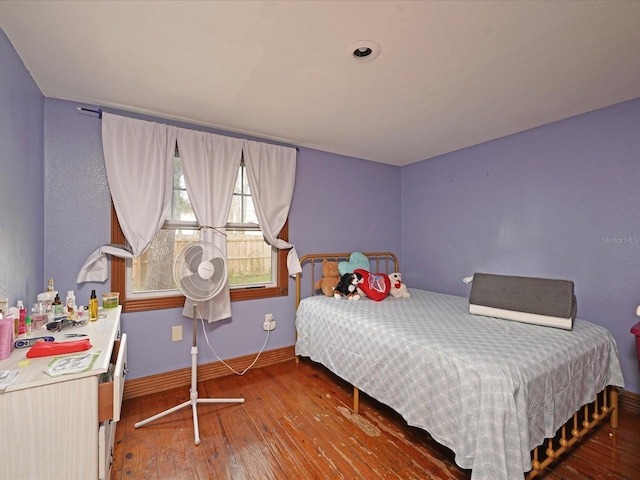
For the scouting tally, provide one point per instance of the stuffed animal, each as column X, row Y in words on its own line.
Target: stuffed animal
column 376, row 286
column 398, row 288
column 348, row 287
column 330, row 277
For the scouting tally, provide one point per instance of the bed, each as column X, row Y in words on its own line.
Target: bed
column 498, row 393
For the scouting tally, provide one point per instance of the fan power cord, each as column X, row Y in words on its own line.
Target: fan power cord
column 206, row 337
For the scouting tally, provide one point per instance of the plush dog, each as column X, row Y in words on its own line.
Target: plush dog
column 398, row 288
column 348, row 287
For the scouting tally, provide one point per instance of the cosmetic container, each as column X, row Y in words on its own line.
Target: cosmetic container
column 93, row 306
column 22, row 315
column 110, row 300
column 71, row 303
column 6, row 336
column 57, row 305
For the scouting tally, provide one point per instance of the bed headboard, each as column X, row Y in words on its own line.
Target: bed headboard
column 383, row 262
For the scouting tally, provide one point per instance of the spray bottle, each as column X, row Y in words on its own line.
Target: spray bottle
column 93, row 306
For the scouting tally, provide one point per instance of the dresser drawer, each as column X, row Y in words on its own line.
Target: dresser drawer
column 110, row 393
column 106, row 439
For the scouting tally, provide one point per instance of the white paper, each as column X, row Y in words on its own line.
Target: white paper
column 71, row 364
column 6, row 377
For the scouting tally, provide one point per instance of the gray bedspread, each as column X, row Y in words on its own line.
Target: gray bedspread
column 491, row 390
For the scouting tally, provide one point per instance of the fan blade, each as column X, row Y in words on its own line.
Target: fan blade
column 196, row 287
column 193, row 257
column 219, row 273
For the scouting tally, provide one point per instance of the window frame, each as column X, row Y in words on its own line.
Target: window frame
column 118, row 278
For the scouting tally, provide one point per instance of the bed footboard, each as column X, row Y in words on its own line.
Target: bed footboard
column 584, row 420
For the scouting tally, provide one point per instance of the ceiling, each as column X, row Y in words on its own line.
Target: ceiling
column 448, row 75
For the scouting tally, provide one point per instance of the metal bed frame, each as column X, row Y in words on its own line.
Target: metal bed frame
column 605, row 405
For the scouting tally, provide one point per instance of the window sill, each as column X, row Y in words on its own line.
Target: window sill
column 146, row 304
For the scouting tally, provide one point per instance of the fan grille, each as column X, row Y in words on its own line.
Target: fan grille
column 200, row 271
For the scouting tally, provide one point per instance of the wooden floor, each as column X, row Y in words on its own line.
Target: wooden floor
column 296, row 423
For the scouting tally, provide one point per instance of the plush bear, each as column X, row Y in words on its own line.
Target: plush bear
column 330, row 277
column 398, row 288
column 348, row 287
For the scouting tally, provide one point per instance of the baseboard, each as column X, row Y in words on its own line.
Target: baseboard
column 633, row 395
column 139, row 387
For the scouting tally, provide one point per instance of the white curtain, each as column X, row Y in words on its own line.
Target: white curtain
column 139, row 163
column 271, row 170
column 210, row 165
column 138, row 157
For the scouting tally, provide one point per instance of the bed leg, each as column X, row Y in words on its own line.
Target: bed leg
column 356, row 399
column 613, row 401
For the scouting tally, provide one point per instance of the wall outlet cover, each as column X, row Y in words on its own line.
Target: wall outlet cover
column 176, row 333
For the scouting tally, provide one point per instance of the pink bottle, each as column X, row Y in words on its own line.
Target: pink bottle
column 22, row 327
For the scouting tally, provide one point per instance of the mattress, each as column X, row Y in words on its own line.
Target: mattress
column 490, row 390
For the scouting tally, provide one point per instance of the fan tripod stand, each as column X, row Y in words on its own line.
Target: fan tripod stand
column 193, row 397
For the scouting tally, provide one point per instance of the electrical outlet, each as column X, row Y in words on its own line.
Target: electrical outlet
column 269, row 323
column 176, row 333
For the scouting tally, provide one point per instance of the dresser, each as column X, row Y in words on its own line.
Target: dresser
column 63, row 427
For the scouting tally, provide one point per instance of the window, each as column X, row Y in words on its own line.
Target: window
column 255, row 269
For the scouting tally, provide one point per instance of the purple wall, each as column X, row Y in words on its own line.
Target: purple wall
column 21, row 180
column 77, row 221
column 558, row 201
column 343, row 204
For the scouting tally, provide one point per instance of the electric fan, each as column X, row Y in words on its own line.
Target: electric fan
column 200, row 273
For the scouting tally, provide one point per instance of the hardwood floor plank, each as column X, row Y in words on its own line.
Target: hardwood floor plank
column 125, row 434
column 297, row 423
column 269, row 418
column 380, row 415
column 303, row 413
column 151, row 459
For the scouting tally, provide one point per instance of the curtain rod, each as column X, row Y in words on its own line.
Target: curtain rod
column 99, row 112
